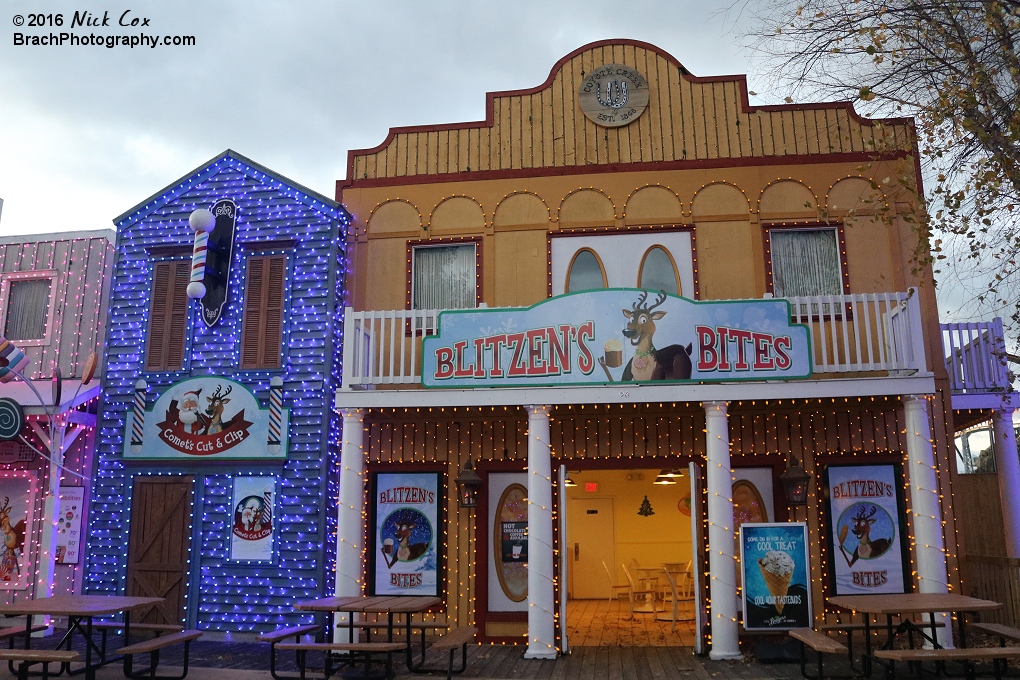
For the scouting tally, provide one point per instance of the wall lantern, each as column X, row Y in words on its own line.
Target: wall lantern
column 795, row 483
column 569, row 482
column 668, row 476
column 468, row 483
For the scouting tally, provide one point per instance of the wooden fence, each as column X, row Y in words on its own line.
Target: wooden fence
column 995, row 578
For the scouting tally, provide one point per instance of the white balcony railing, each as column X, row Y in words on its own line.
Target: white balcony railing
column 877, row 334
column 975, row 355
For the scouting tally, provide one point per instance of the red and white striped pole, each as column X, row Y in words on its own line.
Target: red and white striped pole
column 274, row 437
column 201, row 222
column 138, row 417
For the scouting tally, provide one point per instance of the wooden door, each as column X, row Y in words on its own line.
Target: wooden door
column 158, row 547
column 592, row 542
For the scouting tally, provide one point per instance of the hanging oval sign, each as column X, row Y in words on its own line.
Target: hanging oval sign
column 12, row 419
column 613, row 95
column 510, row 542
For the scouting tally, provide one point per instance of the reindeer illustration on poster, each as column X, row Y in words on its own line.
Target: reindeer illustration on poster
column 17, row 496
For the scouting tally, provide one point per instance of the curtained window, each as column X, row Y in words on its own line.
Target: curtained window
column 805, row 262
column 28, row 307
column 443, row 277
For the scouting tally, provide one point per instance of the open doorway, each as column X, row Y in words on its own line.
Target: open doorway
column 627, row 538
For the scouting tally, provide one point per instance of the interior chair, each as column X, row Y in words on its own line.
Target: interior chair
column 613, row 587
column 634, row 592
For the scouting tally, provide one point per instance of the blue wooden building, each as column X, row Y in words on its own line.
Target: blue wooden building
column 215, row 484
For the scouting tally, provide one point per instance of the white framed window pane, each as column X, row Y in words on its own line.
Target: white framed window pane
column 443, row 277
column 585, row 273
column 658, row 273
column 805, row 263
column 28, row 305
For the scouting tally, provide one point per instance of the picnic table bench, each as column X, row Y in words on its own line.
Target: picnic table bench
column 356, row 649
column 967, row 655
column 29, row 657
column 152, row 647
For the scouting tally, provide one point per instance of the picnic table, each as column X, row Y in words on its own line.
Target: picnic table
column 890, row 605
column 80, row 611
column 380, row 604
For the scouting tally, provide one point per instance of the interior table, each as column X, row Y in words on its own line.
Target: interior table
column 80, row 611
column 910, row 603
column 379, row 604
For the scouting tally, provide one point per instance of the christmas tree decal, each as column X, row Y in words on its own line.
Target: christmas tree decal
column 646, row 508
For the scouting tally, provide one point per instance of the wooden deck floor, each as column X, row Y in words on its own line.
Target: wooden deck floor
column 597, row 623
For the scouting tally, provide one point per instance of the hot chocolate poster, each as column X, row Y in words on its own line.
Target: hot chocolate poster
column 865, row 529
column 407, row 525
column 777, row 593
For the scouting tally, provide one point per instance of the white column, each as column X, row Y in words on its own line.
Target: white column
column 1007, row 466
column 925, row 506
column 350, row 513
column 541, row 600
column 51, row 507
column 721, row 560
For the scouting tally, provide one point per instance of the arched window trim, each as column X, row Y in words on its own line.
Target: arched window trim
column 672, row 262
column 570, row 269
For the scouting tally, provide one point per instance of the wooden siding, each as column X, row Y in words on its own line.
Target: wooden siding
column 688, row 119
column 226, row 595
column 817, row 432
column 78, row 297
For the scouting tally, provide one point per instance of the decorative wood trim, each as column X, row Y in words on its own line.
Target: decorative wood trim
column 56, row 280
column 739, row 80
column 441, row 241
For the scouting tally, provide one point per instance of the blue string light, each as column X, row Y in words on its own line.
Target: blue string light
column 232, row 596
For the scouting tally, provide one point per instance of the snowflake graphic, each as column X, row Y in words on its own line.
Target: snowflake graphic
column 509, row 325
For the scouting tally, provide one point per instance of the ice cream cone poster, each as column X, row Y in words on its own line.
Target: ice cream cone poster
column 776, row 570
column 406, row 545
column 865, row 529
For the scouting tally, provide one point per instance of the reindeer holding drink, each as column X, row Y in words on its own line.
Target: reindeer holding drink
column 648, row 363
column 867, row 548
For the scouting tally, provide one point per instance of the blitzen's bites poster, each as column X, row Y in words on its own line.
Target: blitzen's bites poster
column 406, row 521
column 865, row 529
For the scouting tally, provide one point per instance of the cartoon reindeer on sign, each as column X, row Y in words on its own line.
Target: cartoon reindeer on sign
column 14, row 540
column 648, row 363
column 215, row 410
column 405, row 550
column 866, row 547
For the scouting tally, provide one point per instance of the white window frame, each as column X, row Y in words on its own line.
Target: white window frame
column 621, row 255
column 474, row 254
column 5, row 291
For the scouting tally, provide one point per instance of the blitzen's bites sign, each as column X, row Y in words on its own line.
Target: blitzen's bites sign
column 865, row 529
column 616, row 335
column 405, row 555
column 207, row 417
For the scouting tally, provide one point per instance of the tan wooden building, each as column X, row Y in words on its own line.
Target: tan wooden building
column 623, row 172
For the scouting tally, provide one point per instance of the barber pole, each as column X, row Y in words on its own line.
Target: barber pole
column 138, row 417
column 275, row 414
column 201, row 222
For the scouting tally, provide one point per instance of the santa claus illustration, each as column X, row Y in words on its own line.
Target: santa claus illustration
column 189, row 414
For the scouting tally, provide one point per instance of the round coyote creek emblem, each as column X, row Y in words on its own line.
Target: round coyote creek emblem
column 613, row 95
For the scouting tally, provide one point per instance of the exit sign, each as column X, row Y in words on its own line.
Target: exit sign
column 591, row 487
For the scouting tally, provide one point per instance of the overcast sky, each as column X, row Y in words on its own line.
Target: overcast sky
column 87, row 132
